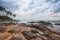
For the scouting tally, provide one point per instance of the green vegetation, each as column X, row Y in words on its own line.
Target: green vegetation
column 6, row 14
column 5, row 18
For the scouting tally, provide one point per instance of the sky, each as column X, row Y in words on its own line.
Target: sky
column 33, row 10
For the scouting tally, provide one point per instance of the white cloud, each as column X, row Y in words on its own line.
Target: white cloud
column 35, row 9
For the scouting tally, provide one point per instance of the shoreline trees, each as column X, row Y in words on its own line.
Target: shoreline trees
column 5, row 13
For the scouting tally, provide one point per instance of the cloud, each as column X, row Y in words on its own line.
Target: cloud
column 52, row 1
column 9, row 4
column 33, row 9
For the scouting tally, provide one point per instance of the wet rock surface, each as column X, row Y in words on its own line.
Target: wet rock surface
column 36, row 32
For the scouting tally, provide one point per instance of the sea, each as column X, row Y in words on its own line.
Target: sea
column 54, row 28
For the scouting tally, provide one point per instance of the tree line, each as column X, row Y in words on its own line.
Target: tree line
column 6, row 13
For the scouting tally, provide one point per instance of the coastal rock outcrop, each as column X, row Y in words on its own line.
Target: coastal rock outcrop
column 35, row 32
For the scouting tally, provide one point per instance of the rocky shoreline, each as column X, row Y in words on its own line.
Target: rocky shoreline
column 27, row 32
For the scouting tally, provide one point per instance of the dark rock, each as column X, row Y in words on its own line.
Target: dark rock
column 29, row 35
column 15, row 38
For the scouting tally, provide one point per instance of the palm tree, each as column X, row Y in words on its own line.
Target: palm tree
column 2, row 9
column 14, row 15
column 9, row 13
